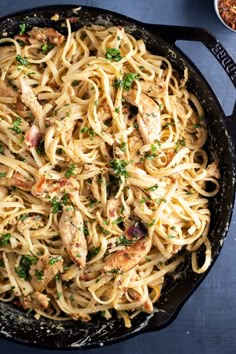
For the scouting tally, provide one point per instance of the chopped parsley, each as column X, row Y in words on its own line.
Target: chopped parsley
column 39, row 274
column 16, row 125
column 75, row 83
column 151, row 223
column 119, row 167
column 170, row 236
column 21, row 61
column 127, row 81
column 153, row 188
column 3, row 174
column 160, row 200
column 22, row 27
column 113, row 54
column 117, row 110
column 180, row 142
column 85, row 230
column 54, row 260
column 115, row 271
column 1, row 149
column 70, row 171
column 5, row 239
column 123, row 146
column 40, row 149
column 56, row 205
column 24, row 267
column 122, row 240
column 89, row 131
column 45, row 48
column 92, row 253
column 23, row 217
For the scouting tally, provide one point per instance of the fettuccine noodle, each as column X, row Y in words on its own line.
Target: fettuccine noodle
column 103, row 174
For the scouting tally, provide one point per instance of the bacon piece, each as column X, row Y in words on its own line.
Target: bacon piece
column 71, row 227
column 127, row 258
column 33, row 136
column 44, row 35
column 48, row 188
column 31, row 222
column 40, row 299
column 48, row 267
column 136, row 231
column 17, row 180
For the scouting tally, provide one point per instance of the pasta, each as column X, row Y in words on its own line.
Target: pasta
column 103, row 174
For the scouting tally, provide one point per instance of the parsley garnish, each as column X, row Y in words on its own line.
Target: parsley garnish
column 113, row 54
column 54, row 260
column 123, row 147
column 75, row 83
column 119, row 167
column 16, row 124
column 89, row 131
column 153, row 188
column 5, row 239
column 122, row 240
column 127, row 81
column 21, row 61
column 45, row 48
column 115, row 271
column 70, row 172
column 92, row 253
column 22, row 27
column 2, row 174
column 39, row 274
column 24, row 267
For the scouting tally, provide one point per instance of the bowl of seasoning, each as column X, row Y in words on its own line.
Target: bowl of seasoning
column 226, row 11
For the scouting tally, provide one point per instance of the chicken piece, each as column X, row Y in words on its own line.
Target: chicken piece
column 46, row 189
column 44, row 271
column 95, row 189
column 30, row 222
column 40, row 299
column 148, row 117
column 104, row 112
column 153, row 90
column 29, row 99
column 34, row 301
column 213, row 170
column 71, row 227
column 147, row 306
column 45, row 35
column 113, row 206
column 33, row 136
column 7, row 91
column 127, row 258
column 3, row 192
column 17, row 180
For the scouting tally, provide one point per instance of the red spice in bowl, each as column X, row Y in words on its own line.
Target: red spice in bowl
column 227, row 11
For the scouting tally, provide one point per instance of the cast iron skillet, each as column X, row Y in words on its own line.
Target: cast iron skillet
column 22, row 327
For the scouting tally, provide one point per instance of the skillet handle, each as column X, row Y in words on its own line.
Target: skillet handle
column 173, row 33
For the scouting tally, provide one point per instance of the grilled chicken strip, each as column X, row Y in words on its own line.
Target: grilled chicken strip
column 44, row 271
column 126, row 259
column 148, row 117
column 71, row 227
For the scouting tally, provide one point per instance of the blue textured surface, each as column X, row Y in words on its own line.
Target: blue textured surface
column 207, row 322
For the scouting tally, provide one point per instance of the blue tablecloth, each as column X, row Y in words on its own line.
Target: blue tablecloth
column 207, row 322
